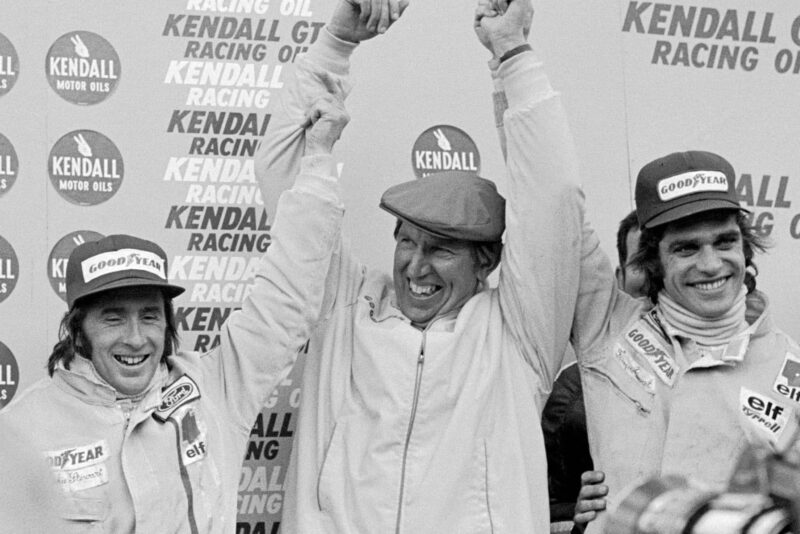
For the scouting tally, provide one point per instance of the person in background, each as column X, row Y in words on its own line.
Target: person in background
column 423, row 387
column 564, row 415
column 142, row 437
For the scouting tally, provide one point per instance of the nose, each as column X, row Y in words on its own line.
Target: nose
column 709, row 260
column 134, row 336
column 418, row 265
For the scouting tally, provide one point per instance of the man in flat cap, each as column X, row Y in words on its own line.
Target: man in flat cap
column 143, row 438
column 684, row 381
column 422, row 389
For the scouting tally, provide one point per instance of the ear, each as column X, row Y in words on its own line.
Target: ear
column 619, row 273
column 486, row 262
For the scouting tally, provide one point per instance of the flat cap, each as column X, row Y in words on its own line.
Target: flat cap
column 450, row 204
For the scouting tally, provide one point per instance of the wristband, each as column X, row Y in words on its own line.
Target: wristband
column 508, row 54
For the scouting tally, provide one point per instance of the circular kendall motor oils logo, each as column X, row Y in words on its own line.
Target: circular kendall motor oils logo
column 9, row 269
column 9, row 165
column 444, row 148
column 9, row 65
column 82, row 67
column 9, row 375
column 59, row 256
column 85, row 167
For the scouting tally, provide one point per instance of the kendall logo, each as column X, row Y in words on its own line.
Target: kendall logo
column 82, row 67
column 123, row 260
column 691, row 182
column 59, row 257
column 9, row 65
column 444, row 148
column 78, row 457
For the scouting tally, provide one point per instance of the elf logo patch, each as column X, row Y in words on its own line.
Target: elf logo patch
column 764, row 413
column 787, row 383
column 193, row 437
column 646, row 344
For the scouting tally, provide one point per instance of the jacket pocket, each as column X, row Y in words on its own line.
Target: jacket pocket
column 324, row 481
column 633, row 395
column 84, row 514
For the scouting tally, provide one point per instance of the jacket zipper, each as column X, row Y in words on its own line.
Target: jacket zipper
column 417, row 381
column 639, row 406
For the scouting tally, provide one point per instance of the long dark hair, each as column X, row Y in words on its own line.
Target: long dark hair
column 648, row 260
column 72, row 340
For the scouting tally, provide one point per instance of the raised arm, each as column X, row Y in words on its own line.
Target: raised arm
column 544, row 215
column 327, row 61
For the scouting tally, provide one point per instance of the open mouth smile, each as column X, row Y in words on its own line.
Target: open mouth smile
column 131, row 360
column 711, row 285
column 422, row 290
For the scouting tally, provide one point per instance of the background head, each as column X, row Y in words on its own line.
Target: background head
column 629, row 277
column 117, row 285
column 448, row 241
column 691, row 197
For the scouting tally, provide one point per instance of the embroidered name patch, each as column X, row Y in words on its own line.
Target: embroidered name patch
column 648, row 346
column 787, row 383
column 79, row 468
column 635, row 370
column 177, row 394
column 764, row 413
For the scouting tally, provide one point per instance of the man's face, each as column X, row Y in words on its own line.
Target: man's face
column 703, row 265
column 631, row 278
column 433, row 276
column 126, row 329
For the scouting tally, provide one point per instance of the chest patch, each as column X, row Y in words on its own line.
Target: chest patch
column 79, row 468
column 177, row 394
column 787, row 383
column 632, row 367
column 644, row 342
column 767, row 415
column 193, row 435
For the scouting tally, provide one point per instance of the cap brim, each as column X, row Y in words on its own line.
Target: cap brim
column 169, row 290
column 692, row 208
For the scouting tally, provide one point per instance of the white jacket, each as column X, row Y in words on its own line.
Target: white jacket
column 402, row 430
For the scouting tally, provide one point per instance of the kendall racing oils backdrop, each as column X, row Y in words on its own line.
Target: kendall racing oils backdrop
column 144, row 117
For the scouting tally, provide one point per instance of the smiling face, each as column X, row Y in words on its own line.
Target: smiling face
column 704, row 264
column 126, row 330
column 433, row 276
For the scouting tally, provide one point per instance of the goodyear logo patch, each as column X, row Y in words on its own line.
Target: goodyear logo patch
column 646, row 344
column 691, row 182
column 79, row 468
column 787, row 383
column 767, row 415
column 123, row 260
column 78, row 457
column 177, row 394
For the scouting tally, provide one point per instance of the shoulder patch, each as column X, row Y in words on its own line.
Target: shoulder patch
column 787, row 383
column 646, row 343
column 177, row 394
column 766, row 414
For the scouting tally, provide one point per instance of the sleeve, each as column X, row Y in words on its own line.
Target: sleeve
column 280, row 151
column 544, row 217
column 260, row 342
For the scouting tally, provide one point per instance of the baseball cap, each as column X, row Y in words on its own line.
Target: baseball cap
column 451, row 205
column 682, row 184
column 116, row 261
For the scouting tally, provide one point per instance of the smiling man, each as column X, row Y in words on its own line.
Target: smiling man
column 422, row 389
column 684, row 385
column 140, row 437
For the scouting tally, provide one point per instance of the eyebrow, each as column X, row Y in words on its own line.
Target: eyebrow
column 725, row 235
